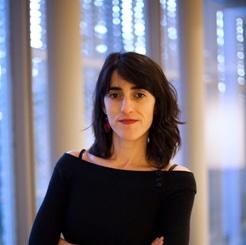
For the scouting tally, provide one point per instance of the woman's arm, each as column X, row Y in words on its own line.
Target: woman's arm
column 157, row 241
column 63, row 242
column 48, row 222
column 174, row 218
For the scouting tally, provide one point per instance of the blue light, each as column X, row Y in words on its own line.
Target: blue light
column 116, row 8
column 220, row 41
column 35, row 24
column 116, row 21
column 139, row 29
column 98, row 3
column 101, row 48
column 239, row 38
column 241, row 81
column 240, row 55
column 240, row 71
column 172, row 33
column 100, row 28
column 221, row 87
column 220, row 58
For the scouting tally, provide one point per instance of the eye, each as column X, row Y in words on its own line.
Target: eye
column 114, row 95
column 139, row 95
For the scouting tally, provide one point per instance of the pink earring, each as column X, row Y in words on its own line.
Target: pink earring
column 106, row 125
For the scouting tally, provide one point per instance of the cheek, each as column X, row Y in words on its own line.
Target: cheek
column 110, row 107
column 150, row 109
column 150, row 118
column 106, row 105
column 150, row 115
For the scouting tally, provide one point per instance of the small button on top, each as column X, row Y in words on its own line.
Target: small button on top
column 158, row 179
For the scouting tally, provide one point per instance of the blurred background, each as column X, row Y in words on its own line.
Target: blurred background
column 50, row 54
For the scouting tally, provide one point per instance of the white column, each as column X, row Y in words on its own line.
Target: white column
column 65, row 83
column 191, row 74
column 23, row 149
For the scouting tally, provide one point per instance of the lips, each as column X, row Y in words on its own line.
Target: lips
column 128, row 121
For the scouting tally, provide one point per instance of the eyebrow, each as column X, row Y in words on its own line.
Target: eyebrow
column 119, row 88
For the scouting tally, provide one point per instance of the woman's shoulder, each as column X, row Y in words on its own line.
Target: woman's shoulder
column 181, row 168
column 182, row 178
column 67, row 160
column 176, row 167
column 74, row 153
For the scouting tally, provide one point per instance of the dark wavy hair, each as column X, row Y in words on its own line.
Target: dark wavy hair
column 140, row 70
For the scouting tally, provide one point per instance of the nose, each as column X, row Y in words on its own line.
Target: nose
column 126, row 105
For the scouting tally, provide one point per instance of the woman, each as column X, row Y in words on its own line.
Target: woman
column 124, row 189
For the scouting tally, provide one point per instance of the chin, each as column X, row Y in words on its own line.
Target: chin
column 129, row 136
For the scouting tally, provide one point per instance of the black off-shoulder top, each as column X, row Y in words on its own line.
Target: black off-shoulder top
column 91, row 204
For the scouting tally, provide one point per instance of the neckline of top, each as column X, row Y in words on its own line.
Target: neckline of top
column 125, row 170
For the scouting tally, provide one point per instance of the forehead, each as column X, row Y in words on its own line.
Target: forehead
column 119, row 82
column 116, row 79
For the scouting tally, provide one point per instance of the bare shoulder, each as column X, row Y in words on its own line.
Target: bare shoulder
column 181, row 168
column 74, row 153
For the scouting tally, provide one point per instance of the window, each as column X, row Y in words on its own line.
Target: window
column 108, row 26
column 170, row 57
column 7, row 211
column 225, row 84
column 40, row 96
column 225, row 64
column 169, row 37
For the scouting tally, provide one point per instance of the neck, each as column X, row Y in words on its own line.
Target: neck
column 129, row 152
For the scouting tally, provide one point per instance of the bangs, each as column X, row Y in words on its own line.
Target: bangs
column 136, row 69
column 139, row 78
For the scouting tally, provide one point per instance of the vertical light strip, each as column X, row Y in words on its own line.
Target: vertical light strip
column 169, row 36
column 40, row 96
column 127, row 25
column 7, row 210
column 116, row 25
column 139, row 27
column 100, row 26
column 240, row 51
column 36, row 24
column 170, row 58
column 86, row 24
column 220, row 51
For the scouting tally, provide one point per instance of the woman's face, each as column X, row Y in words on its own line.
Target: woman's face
column 129, row 109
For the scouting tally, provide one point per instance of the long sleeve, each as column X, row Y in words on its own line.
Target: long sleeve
column 49, row 219
column 176, row 207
